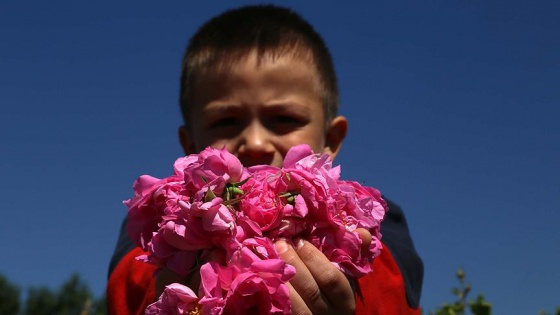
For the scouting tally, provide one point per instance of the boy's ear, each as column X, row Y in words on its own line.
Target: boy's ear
column 186, row 140
column 335, row 135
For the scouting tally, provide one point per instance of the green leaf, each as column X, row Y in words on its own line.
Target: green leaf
column 9, row 297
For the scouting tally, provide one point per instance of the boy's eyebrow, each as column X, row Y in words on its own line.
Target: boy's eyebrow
column 288, row 106
column 220, row 107
column 277, row 106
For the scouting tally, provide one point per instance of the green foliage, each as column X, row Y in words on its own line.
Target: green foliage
column 480, row 306
column 98, row 307
column 72, row 298
column 557, row 312
column 40, row 301
column 9, row 297
column 461, row 306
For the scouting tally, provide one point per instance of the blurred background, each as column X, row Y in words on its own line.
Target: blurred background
column 454, row 111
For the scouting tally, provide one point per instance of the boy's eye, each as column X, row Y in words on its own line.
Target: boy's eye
column 224, row 122
column 287, row 120
column 286, row 123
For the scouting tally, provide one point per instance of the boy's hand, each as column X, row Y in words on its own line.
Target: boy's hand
column 318, row 286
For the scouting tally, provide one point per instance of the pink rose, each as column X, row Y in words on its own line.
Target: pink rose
column 213, row 168
column 153, row 199
column 182, row 163
column 200, row 225
column 256, row 288
column 343, row 249
column 176, row 299
column 273, row 203
column 295, row 154
column 361, row 206
column 261, row 203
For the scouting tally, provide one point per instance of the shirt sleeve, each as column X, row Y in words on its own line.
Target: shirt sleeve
column 131, row 285
column 382, row 291
column 398, row 242
column 395, row 284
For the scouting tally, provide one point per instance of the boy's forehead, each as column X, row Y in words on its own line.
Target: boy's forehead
column 265, row 79
column 227, row 60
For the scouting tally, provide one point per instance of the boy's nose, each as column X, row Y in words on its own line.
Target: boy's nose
column 256, row 147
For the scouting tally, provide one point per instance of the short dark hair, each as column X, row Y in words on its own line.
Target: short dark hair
column 266, row 29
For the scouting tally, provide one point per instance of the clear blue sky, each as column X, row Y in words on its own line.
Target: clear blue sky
column 454, row 110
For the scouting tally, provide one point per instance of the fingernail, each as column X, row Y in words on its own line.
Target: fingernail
column 299, row 243
column 281, row 246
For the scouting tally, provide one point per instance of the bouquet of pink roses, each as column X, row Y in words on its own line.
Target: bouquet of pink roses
column 215, row 215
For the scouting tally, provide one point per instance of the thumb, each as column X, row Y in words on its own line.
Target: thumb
column 365, row 236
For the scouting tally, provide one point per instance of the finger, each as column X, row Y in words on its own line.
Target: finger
column 365, row 236
column 303, row 283
column 298, row 304
column 332, row 282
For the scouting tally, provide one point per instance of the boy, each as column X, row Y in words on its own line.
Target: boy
column 259, row 80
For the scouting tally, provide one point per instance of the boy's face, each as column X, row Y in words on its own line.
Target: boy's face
column 259, row 110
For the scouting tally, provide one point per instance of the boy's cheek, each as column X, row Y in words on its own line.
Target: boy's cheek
column 217, row 144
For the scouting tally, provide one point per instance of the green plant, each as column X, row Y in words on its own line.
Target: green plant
column 461, row 306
